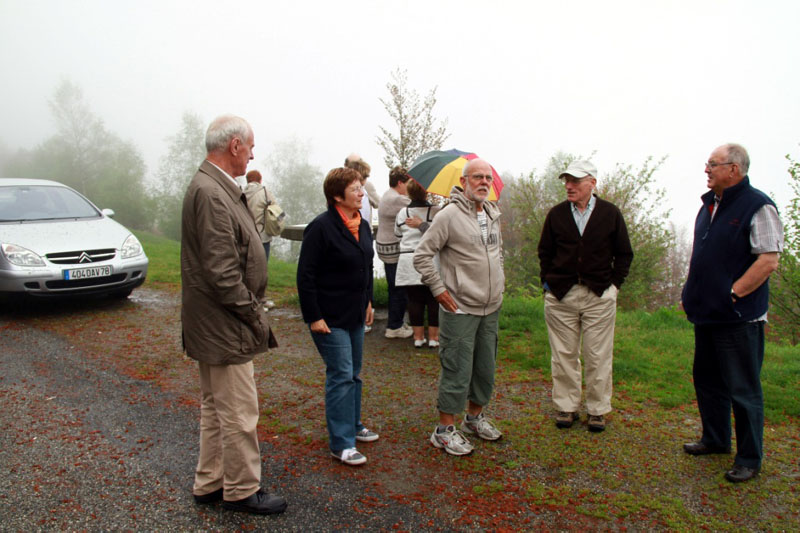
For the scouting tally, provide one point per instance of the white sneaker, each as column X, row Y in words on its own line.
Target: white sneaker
column 269, row 304
column 453, row 441
column 419, row 343
column 433, row 344
column 366, row 435
column 481, row 427
column 403, row 332
column 350, row 456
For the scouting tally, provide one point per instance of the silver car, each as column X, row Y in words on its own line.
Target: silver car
column 55, row 242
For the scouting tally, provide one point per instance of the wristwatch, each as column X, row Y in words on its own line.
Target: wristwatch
column 734, row 296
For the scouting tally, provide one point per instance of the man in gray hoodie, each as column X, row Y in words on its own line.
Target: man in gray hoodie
column 469, row 288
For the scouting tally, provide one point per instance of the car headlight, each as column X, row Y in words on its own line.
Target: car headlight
column 17, row 255
column 131, row 247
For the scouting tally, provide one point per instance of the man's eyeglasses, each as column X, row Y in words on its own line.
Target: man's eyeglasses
column 713, row 165
column 481, row 177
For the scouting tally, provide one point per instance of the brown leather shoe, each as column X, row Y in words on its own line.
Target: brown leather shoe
column 698, row 448
column 740, row 473
column 597, row 423
column 564, row 419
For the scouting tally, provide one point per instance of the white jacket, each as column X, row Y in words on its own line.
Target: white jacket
column 409, row 239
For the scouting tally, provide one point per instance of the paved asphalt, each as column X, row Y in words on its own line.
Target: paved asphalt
column 84, row 448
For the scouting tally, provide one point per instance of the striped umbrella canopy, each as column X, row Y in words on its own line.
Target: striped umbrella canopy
column 439, row 170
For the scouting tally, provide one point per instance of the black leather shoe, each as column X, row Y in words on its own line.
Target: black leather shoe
column 698, row 448
column 211, row 497
column 740, row 473
column 258, row 503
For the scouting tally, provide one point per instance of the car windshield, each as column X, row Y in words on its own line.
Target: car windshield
column 22, row 203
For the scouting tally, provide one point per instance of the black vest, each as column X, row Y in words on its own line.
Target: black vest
column 721, row 254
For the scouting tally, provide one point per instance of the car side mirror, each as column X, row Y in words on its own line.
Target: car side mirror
column 108, row 212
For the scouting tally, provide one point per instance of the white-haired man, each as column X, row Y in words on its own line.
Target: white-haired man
column 738, row 239
column 468, row 284
column 584, row 256
column 223, row 278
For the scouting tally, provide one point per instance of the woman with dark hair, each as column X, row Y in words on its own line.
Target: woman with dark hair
column 419, row 295
column 387, row 246
column 334, row 282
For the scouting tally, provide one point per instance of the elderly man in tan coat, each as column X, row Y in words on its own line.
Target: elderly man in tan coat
column 223, row 278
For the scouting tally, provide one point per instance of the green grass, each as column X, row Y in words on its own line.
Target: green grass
column 165, row 258
column 652, row 351
column 653, row 355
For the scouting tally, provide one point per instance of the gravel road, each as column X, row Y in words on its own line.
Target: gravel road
column 85, row 448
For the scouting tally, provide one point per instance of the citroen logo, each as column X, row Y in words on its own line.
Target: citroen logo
column 84, row 258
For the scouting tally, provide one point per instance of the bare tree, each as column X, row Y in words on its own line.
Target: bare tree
column 416, row 129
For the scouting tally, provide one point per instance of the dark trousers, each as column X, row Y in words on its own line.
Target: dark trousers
column 397, row 297
column 727, row 374
column 420, row 298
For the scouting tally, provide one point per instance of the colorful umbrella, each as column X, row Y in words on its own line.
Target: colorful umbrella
column 439, row 170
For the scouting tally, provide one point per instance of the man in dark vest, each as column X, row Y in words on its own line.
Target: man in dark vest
column 737, row 241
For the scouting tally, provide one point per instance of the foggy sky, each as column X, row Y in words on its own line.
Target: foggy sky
column 517, row 80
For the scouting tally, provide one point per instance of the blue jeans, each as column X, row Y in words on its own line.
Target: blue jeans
column 397, row 297
column 727, row 375
column 342, row 351
column 266, row 249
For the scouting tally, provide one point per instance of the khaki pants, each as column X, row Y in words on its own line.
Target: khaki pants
column 581, row 313
column 229, row 453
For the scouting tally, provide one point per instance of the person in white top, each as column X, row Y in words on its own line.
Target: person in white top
column 419, row 295
column 388, row 247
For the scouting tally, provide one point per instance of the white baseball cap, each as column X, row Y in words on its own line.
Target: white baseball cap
column 580, row 169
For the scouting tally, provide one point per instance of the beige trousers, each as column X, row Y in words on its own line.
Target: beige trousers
column 581, row 324
column 229, row 453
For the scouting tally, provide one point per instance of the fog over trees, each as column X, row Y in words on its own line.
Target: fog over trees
column 86, row 156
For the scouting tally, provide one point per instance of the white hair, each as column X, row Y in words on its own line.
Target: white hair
column 465, row 170
column 223, row 129
column 737, row 154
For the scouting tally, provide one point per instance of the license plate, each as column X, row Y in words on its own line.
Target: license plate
column 91, row 272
